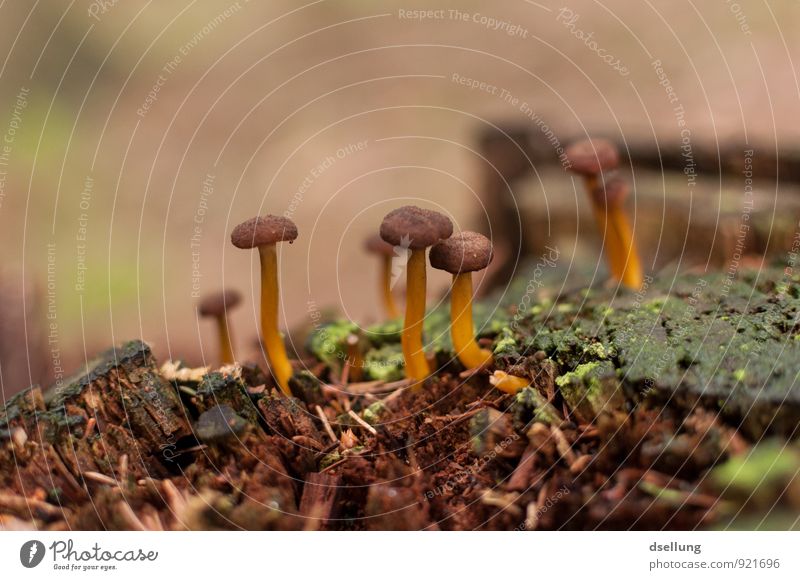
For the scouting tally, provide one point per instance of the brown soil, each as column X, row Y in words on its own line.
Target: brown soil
column 454, row 455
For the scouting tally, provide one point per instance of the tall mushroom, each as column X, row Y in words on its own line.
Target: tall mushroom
column 610, row 195
column 375, row 245
column 264, row 232
column 216, row 306
column 415, row 229
column 461, row 255
column 592, row 159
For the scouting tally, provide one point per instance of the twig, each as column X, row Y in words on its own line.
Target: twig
column 152, row 522
column 326, row 424
column 366, row 387
column 344, row 379
column 122, row 466
column 19, row 436
column 175, row 499
column 563, row 446
column 90, row 424
column 191, row 449
column 100, row 478
column 23, row 504
column 361, row 422
column 337, row 464
column 130, row 517
column 460, row 417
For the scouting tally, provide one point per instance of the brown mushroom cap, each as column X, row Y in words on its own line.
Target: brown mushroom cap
column 216, row 304
column 592, row 156
column 261, row 230
column 375, row 245
column 614, row 190
column 464, row 252
column 415, row 227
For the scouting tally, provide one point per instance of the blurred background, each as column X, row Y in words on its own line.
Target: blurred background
column 136, row 135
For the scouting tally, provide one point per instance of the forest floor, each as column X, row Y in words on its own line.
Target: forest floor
column 672, row 408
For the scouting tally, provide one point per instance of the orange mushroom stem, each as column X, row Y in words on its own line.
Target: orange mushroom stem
column 461, row 255
column 624, row 259
column 216, row 306
column 385, row 252
column 414, row 229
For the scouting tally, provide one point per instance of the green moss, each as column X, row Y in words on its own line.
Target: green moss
column 505, row 344
column 385, row 333
column 769, row 466
column 688, row 341
column 327, row 343
column 385, row 363
column 330, row 459
column 372, row 414
column 577, row 376
column 597, row 350
column 590, row 389
column 529, row 405
column 383, row 355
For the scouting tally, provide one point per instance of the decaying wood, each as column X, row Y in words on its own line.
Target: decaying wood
column 318, row 502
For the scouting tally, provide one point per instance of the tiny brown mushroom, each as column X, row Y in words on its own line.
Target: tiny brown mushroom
column 385, row 251
column 591, row 157
column 415, row 228
column 264, row 232
column 461, row 255
column 216, row 306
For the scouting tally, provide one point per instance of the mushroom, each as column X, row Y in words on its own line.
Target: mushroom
column 375, row 245
column 264, row 232
column 609, row 196
column 216, row 306
column 592, row 158
column 461, row 255
column 415, row 229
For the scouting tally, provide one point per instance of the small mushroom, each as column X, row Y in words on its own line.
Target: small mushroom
column 415, row 229
column 375, row 245
column 216, row 306
column 590, row 158
column 609, row 196
column 264, row 232
column 461, row 255
column 593, row 159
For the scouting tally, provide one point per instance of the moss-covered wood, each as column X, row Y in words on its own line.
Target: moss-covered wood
column 632, row 419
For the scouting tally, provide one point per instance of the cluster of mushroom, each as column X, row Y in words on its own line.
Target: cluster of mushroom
column 597, row 160
column 415, row 230
column 411, row 230
column 408, row 229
